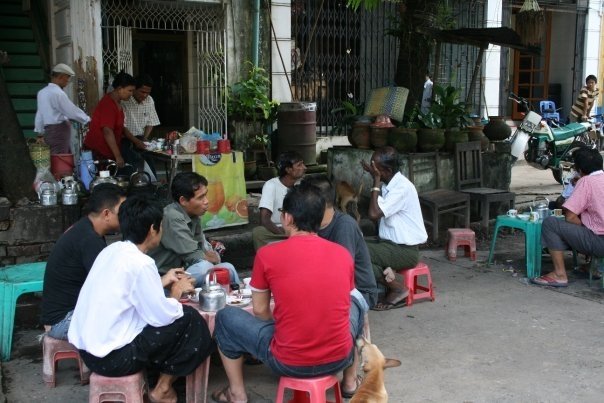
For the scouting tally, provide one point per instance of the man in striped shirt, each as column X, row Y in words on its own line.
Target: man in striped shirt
column 585, row 101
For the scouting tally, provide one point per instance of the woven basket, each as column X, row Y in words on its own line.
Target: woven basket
column 40, row 154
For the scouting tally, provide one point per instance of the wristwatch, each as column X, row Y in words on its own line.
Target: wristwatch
column 376, row 189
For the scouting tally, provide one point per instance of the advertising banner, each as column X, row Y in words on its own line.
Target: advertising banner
column 226, row 189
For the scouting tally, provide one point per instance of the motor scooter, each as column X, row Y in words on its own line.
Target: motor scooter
column 546, row 147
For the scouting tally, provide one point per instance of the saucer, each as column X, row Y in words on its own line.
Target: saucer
column 238, row 302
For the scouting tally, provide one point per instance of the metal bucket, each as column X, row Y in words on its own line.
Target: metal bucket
column 297, row 123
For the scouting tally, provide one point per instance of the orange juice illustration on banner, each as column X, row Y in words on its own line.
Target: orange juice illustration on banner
column 216, row 200
column 227, row 195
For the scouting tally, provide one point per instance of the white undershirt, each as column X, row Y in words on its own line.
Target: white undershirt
column 121, row 295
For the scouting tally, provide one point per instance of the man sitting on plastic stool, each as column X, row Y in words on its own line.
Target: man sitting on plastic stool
column 583, row 227
column 183, row 243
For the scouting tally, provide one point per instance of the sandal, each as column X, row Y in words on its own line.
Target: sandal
column 224, row 396
column 348, row 394
column 386, row 306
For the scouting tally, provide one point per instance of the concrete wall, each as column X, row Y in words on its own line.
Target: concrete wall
column 27, row 234
column 344, row 164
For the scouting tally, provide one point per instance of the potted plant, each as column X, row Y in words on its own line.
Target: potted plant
column 250, row 108
column 268, row 171
column 404, row 137
column 349, row 120
column 453, row 113
column 431, row 136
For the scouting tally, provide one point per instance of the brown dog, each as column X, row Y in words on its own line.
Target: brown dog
column 372, row 389
column 347, row 199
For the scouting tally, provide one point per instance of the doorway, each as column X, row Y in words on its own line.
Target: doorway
column 163, row 57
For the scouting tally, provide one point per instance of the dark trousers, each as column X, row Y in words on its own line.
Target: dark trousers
column 176, row 349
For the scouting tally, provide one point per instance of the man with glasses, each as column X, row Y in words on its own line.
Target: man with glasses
column 55, row 110
column 73, row 255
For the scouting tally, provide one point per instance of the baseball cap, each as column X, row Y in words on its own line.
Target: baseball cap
column 63, row 69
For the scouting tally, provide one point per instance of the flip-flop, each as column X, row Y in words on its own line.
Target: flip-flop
column 386, row 306
column 548, row 281
column 224, row 396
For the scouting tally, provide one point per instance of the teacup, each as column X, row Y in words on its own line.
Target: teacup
column 534, row 216
column 557, row 212
column 512, row 213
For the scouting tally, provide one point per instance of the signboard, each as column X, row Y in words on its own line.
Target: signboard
column 226, row 189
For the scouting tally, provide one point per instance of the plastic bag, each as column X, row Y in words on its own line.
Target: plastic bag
column 188, row 144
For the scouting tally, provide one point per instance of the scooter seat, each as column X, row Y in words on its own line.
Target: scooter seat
column 571, row 130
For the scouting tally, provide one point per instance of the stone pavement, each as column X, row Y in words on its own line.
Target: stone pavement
column 489, row 336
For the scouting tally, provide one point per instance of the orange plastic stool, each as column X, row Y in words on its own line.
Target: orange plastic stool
column 127, row 389
column 461, row 237
column 309, row 390
column 411, row 276
column 54, row 350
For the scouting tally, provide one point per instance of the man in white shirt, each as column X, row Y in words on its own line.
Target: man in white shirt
column 55, row 110
column 123, row 322
column 291, row 170
column 141, row 118
column 395, row 203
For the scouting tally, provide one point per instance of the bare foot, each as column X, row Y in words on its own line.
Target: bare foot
column 388, row 274
column 168, row 396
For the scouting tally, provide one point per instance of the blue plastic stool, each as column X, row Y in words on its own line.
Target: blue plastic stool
column 15, row 281
column 532, row 243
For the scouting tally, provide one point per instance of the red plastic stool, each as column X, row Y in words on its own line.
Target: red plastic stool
column 311, row 390
column 461, row 237
column 54, row 350
column 411, row 276
column 127, row 389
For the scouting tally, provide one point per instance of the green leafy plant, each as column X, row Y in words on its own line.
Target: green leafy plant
column 411, row 118
column 430, row 120
column 248, row 100
column 451, row 110
column 263, row 141
column 346, row 114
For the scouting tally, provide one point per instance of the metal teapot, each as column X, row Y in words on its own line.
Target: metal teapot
column 212, row 297
column 140, row 179
column 70, row 196
column 48, row 194
column 542, row 208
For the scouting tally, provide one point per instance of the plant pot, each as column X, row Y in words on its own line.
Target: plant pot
column 378, row 136
column 497, row 129
column 430, row 139
column 475, row 133
column 359, row 136
column 454, row 136
column 404, row 140
column 266, row 173
column 249, row 169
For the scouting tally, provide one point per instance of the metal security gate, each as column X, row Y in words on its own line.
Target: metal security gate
column 338, row 54
column 207, row 86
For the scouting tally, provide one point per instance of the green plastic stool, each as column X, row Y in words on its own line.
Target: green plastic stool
column 532, row 244
column 15, row 281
